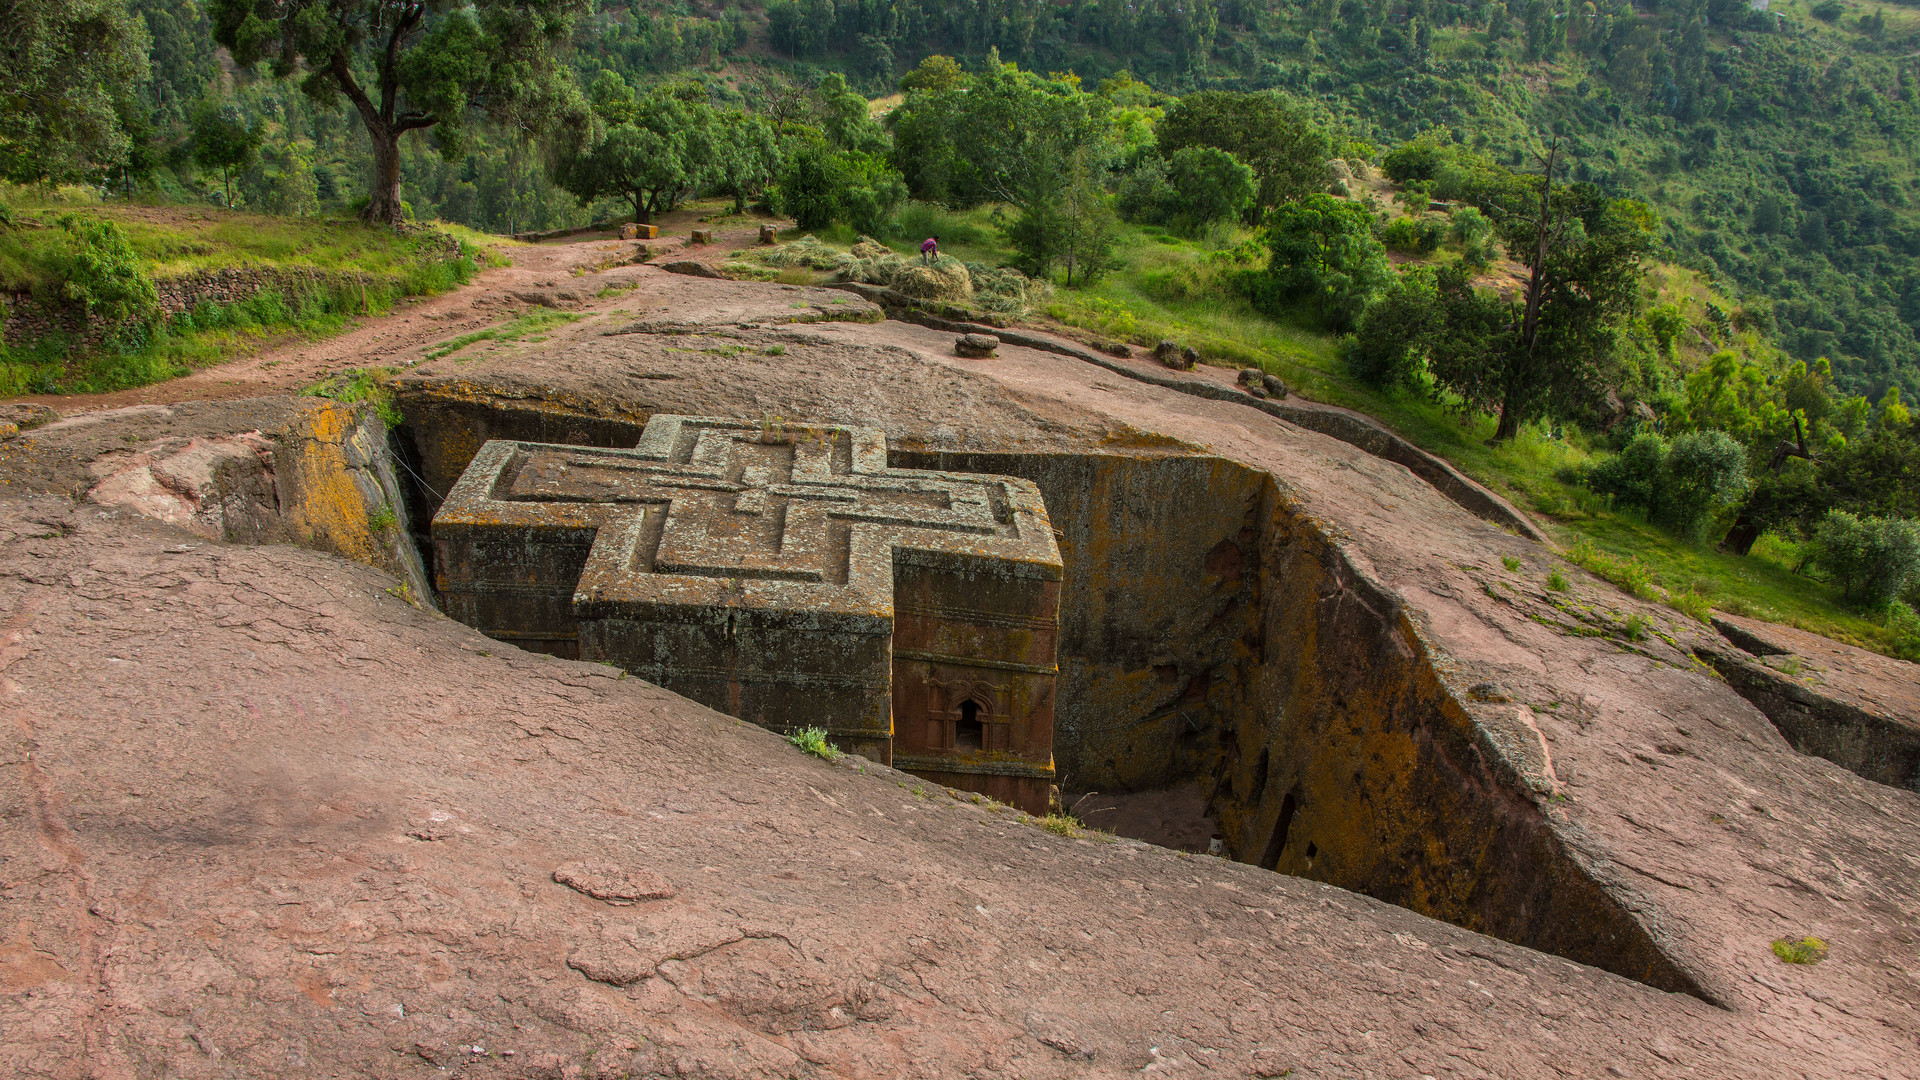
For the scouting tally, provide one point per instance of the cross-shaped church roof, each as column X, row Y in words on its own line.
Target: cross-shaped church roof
column 751, row 566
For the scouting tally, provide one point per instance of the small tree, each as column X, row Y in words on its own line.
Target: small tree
column 222, row 140
column 1004, row 135
column 431, row 65
column 1326, row 259
column 1211, row 185
column 1553, row 349
column 746, row 156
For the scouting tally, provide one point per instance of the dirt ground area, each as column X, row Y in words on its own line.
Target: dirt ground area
column 570, row 274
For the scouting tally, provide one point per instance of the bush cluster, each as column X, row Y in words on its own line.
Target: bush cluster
column 1872, row 559
column 1681, row 483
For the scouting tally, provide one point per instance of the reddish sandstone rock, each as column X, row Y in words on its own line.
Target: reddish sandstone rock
column 613, row 883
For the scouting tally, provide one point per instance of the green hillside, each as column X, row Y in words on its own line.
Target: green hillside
column 1778, row 146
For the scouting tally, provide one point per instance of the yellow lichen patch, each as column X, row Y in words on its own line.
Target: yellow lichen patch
column 1808, row 950
column 330, row 510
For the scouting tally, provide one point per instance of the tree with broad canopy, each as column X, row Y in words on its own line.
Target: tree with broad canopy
column 410, row 65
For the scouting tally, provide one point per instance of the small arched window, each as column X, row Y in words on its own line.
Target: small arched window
column 970, row 733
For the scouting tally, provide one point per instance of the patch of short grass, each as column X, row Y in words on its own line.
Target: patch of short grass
column 355, row 386
column 530, row 323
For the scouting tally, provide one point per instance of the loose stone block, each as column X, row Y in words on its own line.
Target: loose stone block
column 769, row 234
column 631, row 231
column 783, row 574
column 703, row 236
column 976, row 346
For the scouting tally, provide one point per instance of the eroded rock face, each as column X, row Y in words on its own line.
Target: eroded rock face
column 256, row 470
column 1857, row 709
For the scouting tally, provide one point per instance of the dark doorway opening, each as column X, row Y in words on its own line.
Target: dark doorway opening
column 969, row 733
column 1277, row 843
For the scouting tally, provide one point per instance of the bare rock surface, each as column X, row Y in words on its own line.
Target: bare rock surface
column 214, row 759
column 613, row 883
column 262, row 817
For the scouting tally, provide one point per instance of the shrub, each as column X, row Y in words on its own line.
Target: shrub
column 1903, row 626
column 1632, row 476
column 813, row 740
column 821, row 185
column 1413, row 161
column 1680, row 484
column 1325, row 260
column 1415, row 236
column 1871, row 558
column 99, row 271
column 1389, row 346
column 1145, row 194
column 1473, row 231
column 1705, row 471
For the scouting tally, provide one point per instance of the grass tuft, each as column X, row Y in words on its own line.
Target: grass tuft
column 369, row 386
column 530, row 323
column 813, row 740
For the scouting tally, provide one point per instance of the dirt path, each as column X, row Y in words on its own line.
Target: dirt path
column 569, row 274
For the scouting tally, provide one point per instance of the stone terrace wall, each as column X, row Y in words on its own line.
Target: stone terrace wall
column 28, row 318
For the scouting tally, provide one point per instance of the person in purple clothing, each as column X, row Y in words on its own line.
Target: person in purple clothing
column 930, row 250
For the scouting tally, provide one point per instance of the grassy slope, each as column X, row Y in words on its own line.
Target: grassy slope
column 1167, row 289
column 372, row 268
